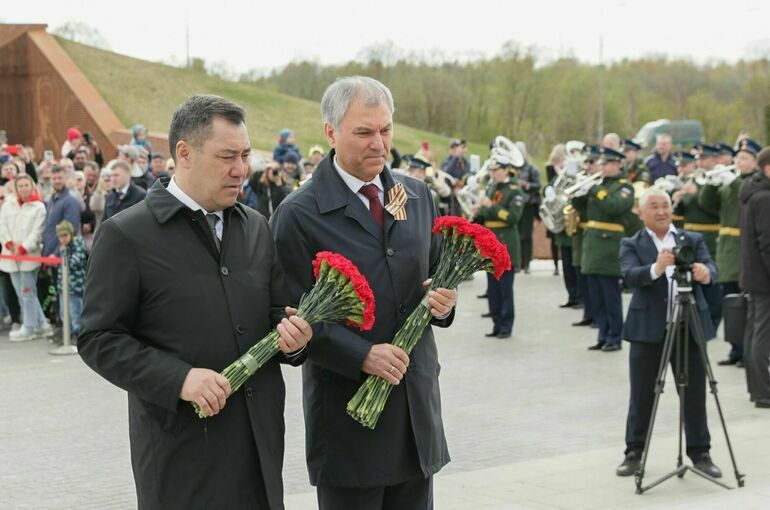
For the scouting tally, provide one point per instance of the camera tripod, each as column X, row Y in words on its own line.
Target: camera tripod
column 683, row 318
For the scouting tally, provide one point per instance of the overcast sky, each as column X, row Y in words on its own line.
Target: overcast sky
column 251, row 34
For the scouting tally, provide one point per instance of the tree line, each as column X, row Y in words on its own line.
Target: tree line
column 544, row 103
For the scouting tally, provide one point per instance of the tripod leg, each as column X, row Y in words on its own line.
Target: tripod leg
column 660, row 383
column 700, row 341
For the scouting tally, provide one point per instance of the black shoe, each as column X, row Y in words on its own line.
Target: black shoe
column 762, row 403
column 568, row 304
column 482, row 296
column 630, row 464
column 703, row 463
column 611, row 347
column 577, row 306
column 740, row 364
column 492, row 334
column 594, row 325
column 504, row 335
column 486, row 315
column 727, row 362
column 584, row 322
column 598, row 347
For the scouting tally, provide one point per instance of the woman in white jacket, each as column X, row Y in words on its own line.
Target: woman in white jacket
column 22, row 220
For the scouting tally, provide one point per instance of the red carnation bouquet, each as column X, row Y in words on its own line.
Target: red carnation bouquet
column 340, row 292
column 467, row 248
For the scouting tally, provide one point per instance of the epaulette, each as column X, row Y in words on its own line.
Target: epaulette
column 513, row 186
column 623, row 181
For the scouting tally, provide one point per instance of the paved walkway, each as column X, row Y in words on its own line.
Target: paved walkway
column 536, row 421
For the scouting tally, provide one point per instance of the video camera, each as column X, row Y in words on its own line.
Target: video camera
column 684, row 256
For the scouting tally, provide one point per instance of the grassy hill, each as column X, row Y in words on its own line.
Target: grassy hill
column 148, row 93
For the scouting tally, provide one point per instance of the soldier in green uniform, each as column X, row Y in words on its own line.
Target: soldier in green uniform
column 500, row 211
column 697, row 219
column 579, row 213
column 633, row 166
column 721, row 195
column 606, row 205
column 726, row 154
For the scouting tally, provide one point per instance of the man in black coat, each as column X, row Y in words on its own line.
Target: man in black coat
column 124, row 193
column 755, row 278
column 647, row 264
column 341, row 209
column 179, row 287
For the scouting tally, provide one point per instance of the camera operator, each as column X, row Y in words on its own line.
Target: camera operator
column 270, row 186
column 644, row 259
column 755, row 278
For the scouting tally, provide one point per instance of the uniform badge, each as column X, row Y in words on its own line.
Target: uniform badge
column 625, row 192
column 397, row 202
column 602, row 194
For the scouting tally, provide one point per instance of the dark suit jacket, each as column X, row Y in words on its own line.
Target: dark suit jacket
column 646, row 319
column 324, row 214
column 113, row 204
column 160, row 300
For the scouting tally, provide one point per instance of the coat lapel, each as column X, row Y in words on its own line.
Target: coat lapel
column 332, row 193
column 649, row 251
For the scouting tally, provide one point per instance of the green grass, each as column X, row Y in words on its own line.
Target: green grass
column 148, row 93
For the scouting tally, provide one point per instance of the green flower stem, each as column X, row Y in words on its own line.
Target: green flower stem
column 332, row 299
column 459, row 259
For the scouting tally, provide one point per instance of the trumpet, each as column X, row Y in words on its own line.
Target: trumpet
column 669, row 183
column 583, row 184
column 720, row 175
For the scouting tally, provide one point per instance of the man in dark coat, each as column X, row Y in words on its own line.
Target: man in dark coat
column 341, row 209
column 124, row 193
column 647, row 264
column 755, row 278
column 179, row 287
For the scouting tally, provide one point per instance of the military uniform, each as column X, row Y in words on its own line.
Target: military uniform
column 607, row 204
column 502, row 218
column 725, row 201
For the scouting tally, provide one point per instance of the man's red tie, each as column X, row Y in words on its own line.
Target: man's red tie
column 371, row 192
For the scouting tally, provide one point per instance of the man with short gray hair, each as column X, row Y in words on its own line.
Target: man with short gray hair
column 353, row 206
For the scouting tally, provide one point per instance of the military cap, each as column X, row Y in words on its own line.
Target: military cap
column 749, row 145
column 608, row 154
column 726, row 149
column 683, row 157
column 591, row 151
column 707, row 150
column 415, row 162
column 630, row 145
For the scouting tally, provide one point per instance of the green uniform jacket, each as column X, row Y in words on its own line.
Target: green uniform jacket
column 607, row 206
column 577, row 238
column 502, row 217
column 697, row 219
column 726, row 201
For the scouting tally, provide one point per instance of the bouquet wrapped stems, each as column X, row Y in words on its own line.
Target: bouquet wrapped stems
column 340, row 293
column 467, row 248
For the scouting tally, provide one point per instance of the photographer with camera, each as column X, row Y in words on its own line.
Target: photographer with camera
column 649, row 261
column 270, row 186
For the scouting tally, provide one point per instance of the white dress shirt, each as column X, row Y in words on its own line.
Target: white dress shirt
column 355, row 184
column 183, row 197
column 668, row 241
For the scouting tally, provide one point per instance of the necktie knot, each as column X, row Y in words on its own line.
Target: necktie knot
column 370, row 191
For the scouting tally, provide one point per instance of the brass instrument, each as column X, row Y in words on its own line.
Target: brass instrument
column 471, row 194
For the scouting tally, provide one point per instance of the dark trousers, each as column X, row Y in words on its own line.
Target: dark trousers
column 607, row 305
column 526, row 252
column 415, row 494
column 555, row 253
column 500, row 297
column 570, row 275
column 736, row 350
column 585, row 294
column 644, row 363
column 713, row 295
column 757, row 345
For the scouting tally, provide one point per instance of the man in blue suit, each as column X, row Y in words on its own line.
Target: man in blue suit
column 647, row 264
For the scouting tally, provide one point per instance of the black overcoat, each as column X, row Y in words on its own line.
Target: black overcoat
column 408, row 442
column 159, row 300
